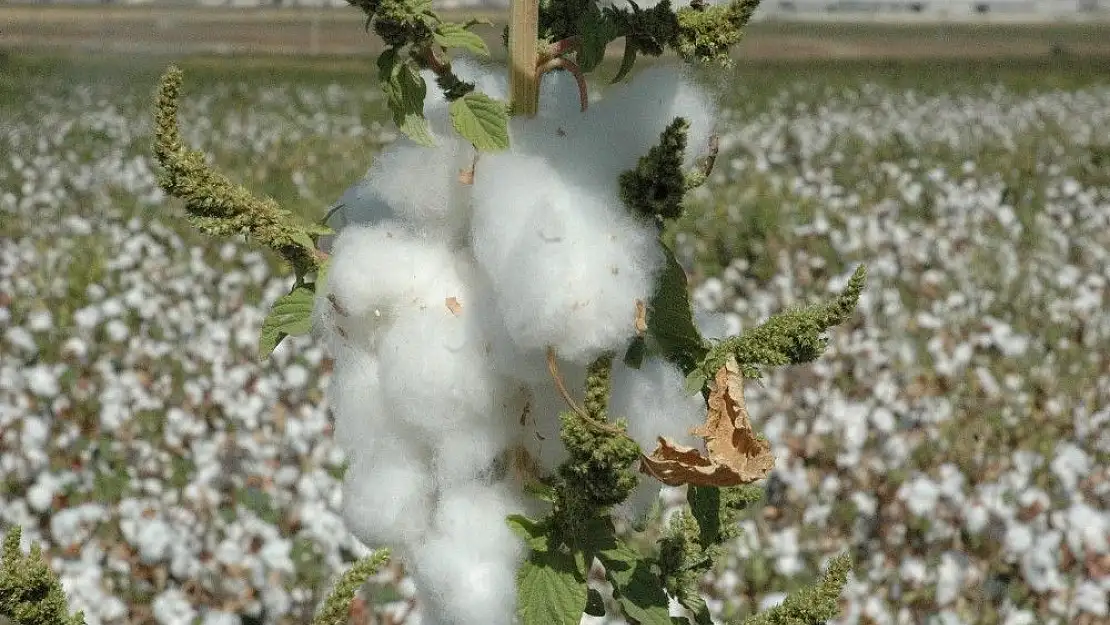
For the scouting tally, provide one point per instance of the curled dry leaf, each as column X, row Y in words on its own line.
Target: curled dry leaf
column 454, row 306
column 641, row 317
column 735, row 455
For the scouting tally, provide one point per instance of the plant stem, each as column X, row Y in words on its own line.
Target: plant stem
column 524, row 31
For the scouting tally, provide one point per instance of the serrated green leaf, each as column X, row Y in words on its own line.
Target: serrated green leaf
column 670, row 318
column 695, row 382
column 405, row 90
column 639, row 591
column 549, row 590
column 451, row 35
column 481, row 120
column 533, row 533
column 290, row 315
column 415, row 127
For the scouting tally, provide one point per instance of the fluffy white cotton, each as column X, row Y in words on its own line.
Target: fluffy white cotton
column 354, row 395
column 375, row 272
column 653, row 399
column 567, row 265
column 624, row 124
column 539, row 424
column 439, row 203
column 388, row 492
column 466, row 571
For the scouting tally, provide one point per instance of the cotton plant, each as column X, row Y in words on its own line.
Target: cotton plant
column 516, row 359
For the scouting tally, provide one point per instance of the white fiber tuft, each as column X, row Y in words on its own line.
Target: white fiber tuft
column 568, row 266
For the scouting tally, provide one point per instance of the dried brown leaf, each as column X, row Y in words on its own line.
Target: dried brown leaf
column 735, row 456
column 641, row 317
column 454, row 306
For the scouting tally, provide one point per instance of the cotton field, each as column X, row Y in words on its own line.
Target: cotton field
column 954, row 438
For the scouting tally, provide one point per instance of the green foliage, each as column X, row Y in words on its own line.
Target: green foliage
column 645, row 32
column 791, row 337
column 599, row 385
column 30, row 593
column 550, row 588
column 708, row 33
column 398, row 22
column 655, row 188
column 810, row 606
column 599, row 466
column 216, row 206
column 291, row 315
column 481, row 120
column 405, row 90
column 670, row 319
column 449, row 35
column 336, row 607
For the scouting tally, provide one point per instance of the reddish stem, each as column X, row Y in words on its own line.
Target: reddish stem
column 572, row 67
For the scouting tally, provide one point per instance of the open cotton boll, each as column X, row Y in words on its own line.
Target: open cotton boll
column 568, row 265
column 436, row 374
column 653, row 398
column 466, row 570
column 622, row 126
column 439, row 203
column 550, row 132
column 388, row 491
column 374, row 271
column 354, row 394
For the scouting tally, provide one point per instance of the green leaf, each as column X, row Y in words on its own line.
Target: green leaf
column 637, row 588
column 705, row 503
column 670, row 319
column 290, row 315
column 594, row 32
column 450, row 35
column 304, row 240
column 549, row 590
column 405, row 89
column 531, row 532
column 481, row 120
column 634, row 356
column 696, row 604
column 627, row 61
column 695, row 382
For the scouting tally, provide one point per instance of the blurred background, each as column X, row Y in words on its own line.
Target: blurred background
column 954, row 438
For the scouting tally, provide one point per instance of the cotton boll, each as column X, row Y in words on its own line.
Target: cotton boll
column 439, row 203
column 653, row 398
column 550, row 132
column 354, row 395
column 568, row 265
column 436, row 374
column 467, row 568
column 374, row 272
column 388, row 491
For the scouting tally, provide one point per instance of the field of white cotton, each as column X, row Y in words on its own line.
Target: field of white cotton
column 954, row 437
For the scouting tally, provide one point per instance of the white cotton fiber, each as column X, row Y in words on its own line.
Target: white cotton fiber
column 375, row 272
column 354, row 395
column 653, row 398
column 435, row 369
column 388, row 491
column 622, row 126
column 567, row 265
column 439, row 203
column 466, row 570
column 539, row 426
